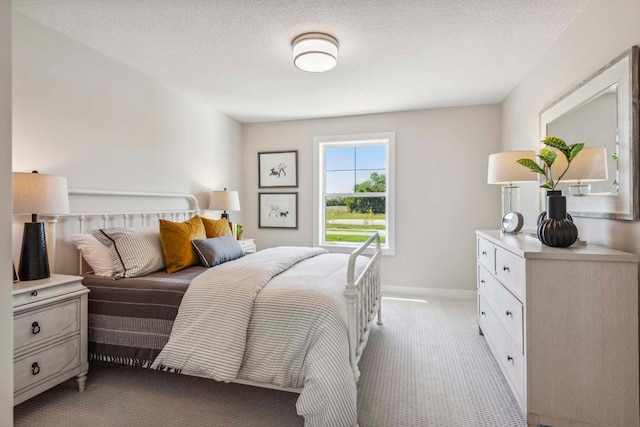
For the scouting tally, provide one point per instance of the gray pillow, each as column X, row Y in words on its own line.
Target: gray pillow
column 217, row 250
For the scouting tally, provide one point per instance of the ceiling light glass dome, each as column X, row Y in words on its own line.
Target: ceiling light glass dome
column 315, row 52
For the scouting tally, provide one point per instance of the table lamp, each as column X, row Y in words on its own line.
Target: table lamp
column 590, row 165
column 504, row 169
column 224, row 201
column 37, row 194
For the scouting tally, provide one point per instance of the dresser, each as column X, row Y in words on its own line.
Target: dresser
column 248, row 246
column 562, row 324
column 49, row 334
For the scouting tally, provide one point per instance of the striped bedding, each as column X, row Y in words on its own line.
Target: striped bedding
column 130, row 319
column 245, row 320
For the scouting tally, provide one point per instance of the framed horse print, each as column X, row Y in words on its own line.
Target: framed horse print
column 278, row 210
column 278, row 169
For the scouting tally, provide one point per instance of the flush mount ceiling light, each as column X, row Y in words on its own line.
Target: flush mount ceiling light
column 315, row 52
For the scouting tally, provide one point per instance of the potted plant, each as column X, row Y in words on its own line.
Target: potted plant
column 558, row 229
column 239, row 231
column 548, row 156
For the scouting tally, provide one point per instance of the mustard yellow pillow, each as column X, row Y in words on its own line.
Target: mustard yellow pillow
column 175, row 238
column 216, row 227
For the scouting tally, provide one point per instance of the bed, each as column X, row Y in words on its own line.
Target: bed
column 303, row 330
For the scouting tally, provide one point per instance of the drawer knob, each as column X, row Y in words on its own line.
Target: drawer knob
column 35, row 328
column 509, row 359
column 509, row 313
column 483, row 313
column 484, row 252
column 34, row 293
column 482, row 281
column 505, row 268
column 35, row 369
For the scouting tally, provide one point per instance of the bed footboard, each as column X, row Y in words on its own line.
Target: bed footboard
column 363, row 297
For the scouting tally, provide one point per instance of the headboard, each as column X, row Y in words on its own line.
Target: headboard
column 147, row 208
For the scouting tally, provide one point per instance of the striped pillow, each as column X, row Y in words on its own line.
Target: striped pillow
column 135, row 252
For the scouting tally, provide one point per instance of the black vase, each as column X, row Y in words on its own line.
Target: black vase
column 543, row 214
column 557, row 231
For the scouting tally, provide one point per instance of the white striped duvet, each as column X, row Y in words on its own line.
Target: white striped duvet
column 291, row 331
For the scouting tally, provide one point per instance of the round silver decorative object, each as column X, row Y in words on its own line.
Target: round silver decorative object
column 512, row 222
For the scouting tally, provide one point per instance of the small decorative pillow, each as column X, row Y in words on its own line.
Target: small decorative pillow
column 95, row 253
column 216, row 227
column 217, row 250
column 134, row 252
column 176, row 238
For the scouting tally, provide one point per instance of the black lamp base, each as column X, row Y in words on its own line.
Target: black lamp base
column 34, row 261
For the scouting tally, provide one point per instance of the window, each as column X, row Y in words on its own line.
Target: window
column 354, row 190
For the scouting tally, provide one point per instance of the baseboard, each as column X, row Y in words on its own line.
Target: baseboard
column 427, row 292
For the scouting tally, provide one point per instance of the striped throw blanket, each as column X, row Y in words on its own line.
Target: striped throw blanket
column 291, row 334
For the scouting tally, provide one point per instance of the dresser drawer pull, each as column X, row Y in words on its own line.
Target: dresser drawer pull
column 34, row 293
column 35, row 328
column 483, row 313
column 482, row 281
column 35, row 369
column 484, row 252
column 509, row 359
column 509, row 313
column 505, row 268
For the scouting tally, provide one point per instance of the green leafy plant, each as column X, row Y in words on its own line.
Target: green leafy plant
column 548, row 156
column 239, row 231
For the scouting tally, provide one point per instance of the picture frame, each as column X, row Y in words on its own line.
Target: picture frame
column 278, row 210
column 15, row 275
column 278, row 169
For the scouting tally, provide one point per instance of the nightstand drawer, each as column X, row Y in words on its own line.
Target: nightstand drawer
column 50, row 362
column 46, row 323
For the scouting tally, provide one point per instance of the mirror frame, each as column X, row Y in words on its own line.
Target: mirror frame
column 625, row 71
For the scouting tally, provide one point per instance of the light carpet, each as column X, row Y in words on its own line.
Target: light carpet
column 427, row 366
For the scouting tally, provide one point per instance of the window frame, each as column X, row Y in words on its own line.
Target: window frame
column 319, row 220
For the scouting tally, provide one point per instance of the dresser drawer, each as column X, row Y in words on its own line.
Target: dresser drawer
column 486, row 254
column 46, row 323
column 510, row 359
column 507, row 308
column 510, row 271
column 36, row 368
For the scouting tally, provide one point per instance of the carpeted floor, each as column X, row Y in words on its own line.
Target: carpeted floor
column 427, row 366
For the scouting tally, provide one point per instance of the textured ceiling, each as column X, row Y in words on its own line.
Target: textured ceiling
column 394, row 54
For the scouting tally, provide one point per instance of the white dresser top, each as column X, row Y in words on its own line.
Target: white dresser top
column 519, row 245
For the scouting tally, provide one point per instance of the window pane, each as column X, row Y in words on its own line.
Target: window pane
column 340, row 158
column 371, row 157
column 353, row 219
column 339, row 182
column 371, row 181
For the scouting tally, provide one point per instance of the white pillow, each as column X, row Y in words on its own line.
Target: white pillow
column 133, row 251
column 95, row 253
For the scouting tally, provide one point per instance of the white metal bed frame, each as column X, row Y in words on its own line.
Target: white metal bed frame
column 362, row 293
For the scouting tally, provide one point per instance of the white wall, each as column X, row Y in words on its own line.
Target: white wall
column 441, row 190
column 602, row 32
column 103, row 125
column 6, row 274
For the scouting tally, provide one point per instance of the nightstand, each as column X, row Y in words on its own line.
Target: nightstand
column 49, row 334
column 248, row 246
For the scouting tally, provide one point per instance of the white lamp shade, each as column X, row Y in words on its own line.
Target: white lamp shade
column 35, row 193
column 224, row 201
column 588, row 166
column 504, row 168
column 315, row 52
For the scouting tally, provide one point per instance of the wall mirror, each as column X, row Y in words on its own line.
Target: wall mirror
column 601, row 112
